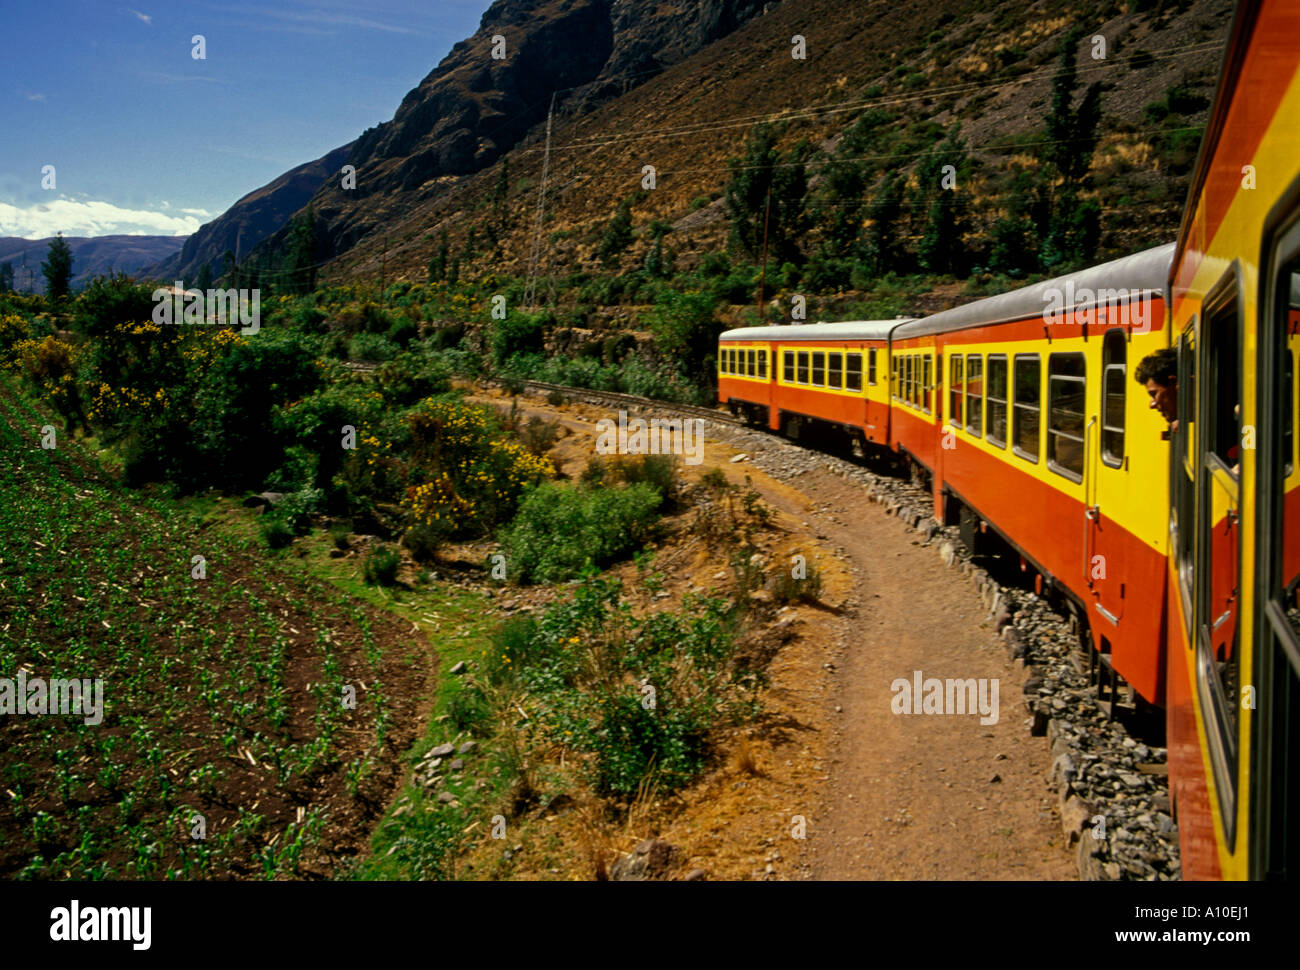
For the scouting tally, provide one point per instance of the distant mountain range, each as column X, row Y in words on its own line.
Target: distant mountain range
column 90, row 256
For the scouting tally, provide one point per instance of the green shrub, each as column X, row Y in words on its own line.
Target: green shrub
column 276, row 533
column 424, row 541
column 519, row 333
column 558, row 530
column 468, row 711
column 380, row 567
column 370, row 348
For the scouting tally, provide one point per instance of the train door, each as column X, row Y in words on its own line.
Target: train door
column 1217, row 597
column 1105, row 484
column 1277, row 744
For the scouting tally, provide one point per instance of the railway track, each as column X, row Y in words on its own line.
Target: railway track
column 591, row 396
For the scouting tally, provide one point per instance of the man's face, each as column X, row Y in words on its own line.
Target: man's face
column 1164, row 398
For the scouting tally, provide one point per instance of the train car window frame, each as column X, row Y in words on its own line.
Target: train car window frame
column 1114, row 366
column 871, row 366
column 1017, row 406
column 751, row 364
column 1218, row 681
column 801, row 359
column 1004, row 401
column 895, row 369
column 975, row 401
column 762, row 363
column 853, row 371
column 956, row 391
column 818, row 373
column 1058, row 387
column 927, row 382
column 1276, row 657
column 835, row 370
column 787, row 366
column 724, row 360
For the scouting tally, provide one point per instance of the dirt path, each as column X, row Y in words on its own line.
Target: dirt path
column 918, row 796
column 885, row 796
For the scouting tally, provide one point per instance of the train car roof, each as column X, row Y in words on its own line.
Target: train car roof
column 1142, row 272
column 842, row 330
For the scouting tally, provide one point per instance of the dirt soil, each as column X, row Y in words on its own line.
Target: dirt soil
column 876, row 795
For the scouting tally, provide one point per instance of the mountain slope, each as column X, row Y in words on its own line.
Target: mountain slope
column 252, row 219
column 679, row 85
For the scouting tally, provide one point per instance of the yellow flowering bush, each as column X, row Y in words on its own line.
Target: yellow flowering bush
column 465, row 471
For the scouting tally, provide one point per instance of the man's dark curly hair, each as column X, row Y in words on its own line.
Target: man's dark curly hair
column 1160, row 366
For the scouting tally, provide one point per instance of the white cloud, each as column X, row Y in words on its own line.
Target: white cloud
column 144, row 17
column 36, row 97
column 90, row 218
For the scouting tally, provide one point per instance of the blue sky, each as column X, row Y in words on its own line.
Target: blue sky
column 146, row 139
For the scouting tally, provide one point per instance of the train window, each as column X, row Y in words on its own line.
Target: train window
column 1287, row 555
column 1223, row 415
column 762, row 363
column 955, row 391
column 871, row 364
column 723, row 364
column 1288, row 396
column 1113, row 358
column 997, row 392
column 834, row 371
column 751, row 365
column 853, row 371
column 894, row 365
column 819, row 368
column 1025, row 407
column 803, row 367
column 926, row 383
column 1066, row 376
column 975, row 395
column 1218, row 546
column 913, row 379
column 787, row 364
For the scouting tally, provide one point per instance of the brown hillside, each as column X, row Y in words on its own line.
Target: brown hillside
column 985, row 65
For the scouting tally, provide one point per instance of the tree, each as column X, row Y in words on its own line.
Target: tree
column 618, row 234
column 6, row 277
column 1073, row 224
column 438, row 262
column 204, row 281
column 884, row 248
column 657, row 261
column 767, row 198
column 939, row 250
column 302, row 254
column 57, row 268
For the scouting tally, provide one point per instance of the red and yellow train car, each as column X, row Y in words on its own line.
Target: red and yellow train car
column 1034, row 429
column 1234, row 566
column 834, row 373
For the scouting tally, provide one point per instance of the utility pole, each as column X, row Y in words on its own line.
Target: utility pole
column 530, row 293
column 762, row 275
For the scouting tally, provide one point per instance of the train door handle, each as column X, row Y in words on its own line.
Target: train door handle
column 1093, row 512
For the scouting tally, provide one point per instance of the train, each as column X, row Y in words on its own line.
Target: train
column 1127, row 432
